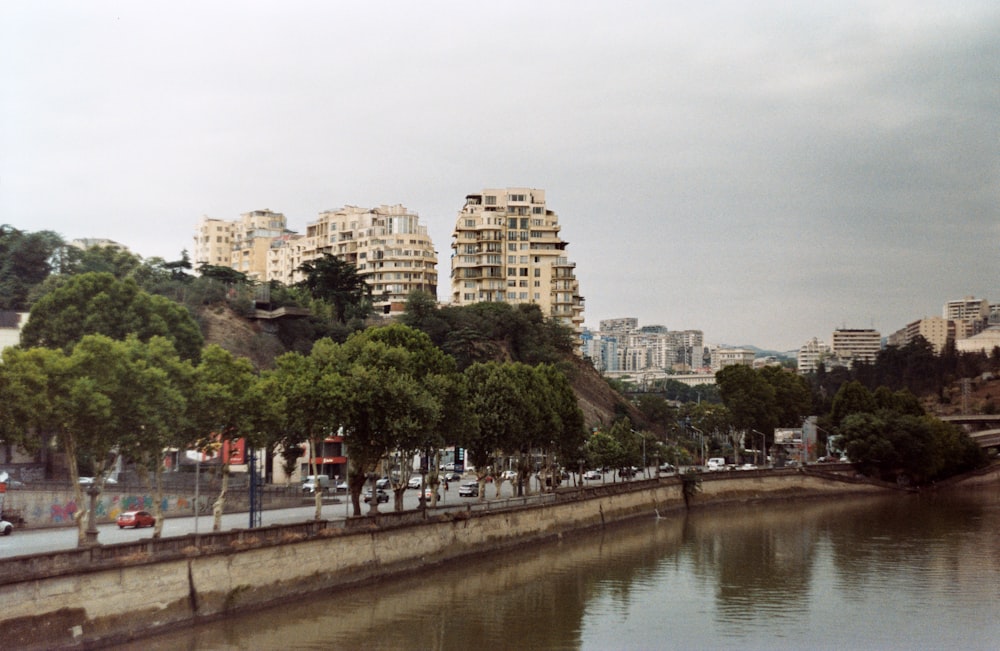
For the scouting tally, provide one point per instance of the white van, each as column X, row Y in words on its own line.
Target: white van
column 716, row 463
column 312, row 483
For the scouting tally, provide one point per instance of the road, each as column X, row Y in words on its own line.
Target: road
column 34, row 541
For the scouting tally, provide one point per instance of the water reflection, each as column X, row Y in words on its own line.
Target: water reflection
column 902, row 572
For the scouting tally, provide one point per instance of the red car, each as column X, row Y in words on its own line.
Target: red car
column 136, row 519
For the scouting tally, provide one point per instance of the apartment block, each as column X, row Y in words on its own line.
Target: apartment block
column 852, row 345
column 971, row 315
column 723, row 357
column 506, row 248
column 387, row 245
column 213, row 242
column 811, row 354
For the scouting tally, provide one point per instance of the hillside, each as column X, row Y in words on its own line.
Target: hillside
column 240, row 336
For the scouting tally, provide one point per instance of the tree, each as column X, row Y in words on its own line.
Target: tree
column 163, row 386
column 223, row 411
column 312, row 392
column 98, row 303
column 89, row 401
column 330, row 279
column 26, row 260
column 852, row 398
column 750, row 399
column 493, row 406
column 394, row 395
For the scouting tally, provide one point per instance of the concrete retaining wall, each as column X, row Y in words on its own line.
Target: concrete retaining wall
column 119, row 592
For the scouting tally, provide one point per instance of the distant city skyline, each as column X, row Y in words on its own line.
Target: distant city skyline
column 763, row 172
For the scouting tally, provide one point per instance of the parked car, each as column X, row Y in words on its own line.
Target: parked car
column 414, row 482
column 12, row 483
column 508, row 475
column 87, row 481
column 313, row 483
column 429, row 493
column 716, row 463
column 591, row 474
column 469, row 489
column 342, row 487
column 380, row 495
column 6, row 528
column 667, row 467
column 449, row 466
column 453, row 476
column 383, row 483
column 136, row 519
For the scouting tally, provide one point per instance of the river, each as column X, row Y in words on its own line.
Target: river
column 903, row 572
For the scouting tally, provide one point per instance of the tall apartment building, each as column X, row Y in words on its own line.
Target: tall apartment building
column 506, row 248
column 811, row 354
column 213, row 242
column 971, row 315
column 387, row 245
column 252, row 236
column 852, row 345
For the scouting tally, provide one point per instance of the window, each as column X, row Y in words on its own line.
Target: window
column 538, row 273
column 524, row 271
column 518, row 197
column 537, row 210
column 491, row 200
column 512, row 223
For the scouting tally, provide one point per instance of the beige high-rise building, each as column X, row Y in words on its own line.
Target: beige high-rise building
column 387, row 245
column 852, row 345
column 252, row 236
column 213, row 243
column 506, row 248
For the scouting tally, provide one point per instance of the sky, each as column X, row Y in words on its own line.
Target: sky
column 765, row 172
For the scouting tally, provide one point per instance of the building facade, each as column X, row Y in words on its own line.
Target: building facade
column 388, row 246
column 213, row 242
column 810, row 355
column 723, row 357
column 852, row 345
column 506, row 248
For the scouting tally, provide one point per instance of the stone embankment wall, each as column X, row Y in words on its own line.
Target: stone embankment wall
column 118, row 592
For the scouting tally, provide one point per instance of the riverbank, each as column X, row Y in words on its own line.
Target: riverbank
column 115, row 593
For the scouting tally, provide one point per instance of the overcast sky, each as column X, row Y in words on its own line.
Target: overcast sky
column 762, row 171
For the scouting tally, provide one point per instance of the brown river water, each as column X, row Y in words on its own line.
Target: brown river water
column 903, row 572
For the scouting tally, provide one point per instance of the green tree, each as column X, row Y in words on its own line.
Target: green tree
column 98, row 303
column 223, row 410
column 391, row 397
column 749, row 397
column 311, row 391
column 330, row 279
column 26, row 260
column 604, row 451
column 852, row 398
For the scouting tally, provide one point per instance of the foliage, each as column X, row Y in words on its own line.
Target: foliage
column 330, row 279
column 26, row 260
column 485, row 332
column 99, row 303
column 888, row 435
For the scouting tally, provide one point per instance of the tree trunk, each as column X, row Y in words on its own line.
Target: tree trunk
column 220, row 502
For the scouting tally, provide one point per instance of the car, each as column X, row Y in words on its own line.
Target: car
column 453, row 476
column 87, row 481
column 626, row 473
column 715, row 464
column 469, row 489
column 12, row 483
column 591, row 474
column 415, row 481
column 383, row 483
column 312, row 483
column 667, row 467
column 429, row 493
column 342, row 487
column 747, row 466
column 380, row 495
column 449, row 466
column 508, row 475
column 136, row 519
column 6, row 528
